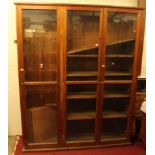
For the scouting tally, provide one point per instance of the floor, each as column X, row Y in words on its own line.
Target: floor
column 11, row 144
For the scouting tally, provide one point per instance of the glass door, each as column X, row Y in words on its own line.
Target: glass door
column 83, row 45
column 40, row 74
column 82, row 74
column 118, row 73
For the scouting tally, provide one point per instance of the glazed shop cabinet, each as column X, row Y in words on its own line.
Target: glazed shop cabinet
column 77, row 74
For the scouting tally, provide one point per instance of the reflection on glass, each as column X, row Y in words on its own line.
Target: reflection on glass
column 114, row 128
column 39, row 29
column 82, row 48
column 120, row 44
column 41, row 102
column 80, row 130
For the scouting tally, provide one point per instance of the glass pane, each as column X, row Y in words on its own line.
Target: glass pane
column 117, row 105
column 116, row 90
column 120, row 44
column 39, row 29
column 81, row 110
column 116, row 100
column 114, row 128
column 80, row 130
column 41, row 104
column 81, row 101
column 83, row 43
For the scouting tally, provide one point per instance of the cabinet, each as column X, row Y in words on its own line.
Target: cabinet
column 77, row 74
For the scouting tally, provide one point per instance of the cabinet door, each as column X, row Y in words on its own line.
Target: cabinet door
column 39, row 45
column 82, row 45
column 82, row 74
column 120, row 45
column 119, row 72
column 40, row 75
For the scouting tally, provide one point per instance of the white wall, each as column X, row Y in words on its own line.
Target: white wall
column 143, row 67
column 104, row 2
column 14, row 127
column 13, row 94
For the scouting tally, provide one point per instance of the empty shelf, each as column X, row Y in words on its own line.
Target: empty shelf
column 81, row 137
column 82, row 73
column 81, row 49
column 112, row 73
column 83, row 56
column 82, row 95
column 81, row 115
column 119, row 56
column 119, row 41
column 114, row 114
column 116, row 95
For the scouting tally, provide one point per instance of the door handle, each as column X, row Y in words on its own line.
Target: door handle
column 22, row 69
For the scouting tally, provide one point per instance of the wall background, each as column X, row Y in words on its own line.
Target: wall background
column 14, row 119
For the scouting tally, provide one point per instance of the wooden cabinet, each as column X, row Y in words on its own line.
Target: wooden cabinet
column 77, row 74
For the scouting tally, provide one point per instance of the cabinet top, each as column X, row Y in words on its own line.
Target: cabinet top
column 16, row 2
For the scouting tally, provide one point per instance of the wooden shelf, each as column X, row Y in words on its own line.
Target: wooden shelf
column 81, row 137
column 83, row 56
column 112, row 73
column 116, row 95
column 119, row 56
column 81, row 115
column 112, row 136
column 120, row 41
column 35, row 108
column 49, row 140
column 34, row 83
column 82, row 73
column 81, row 49
column 114, row 114
column 82, row 95
column 117, row 81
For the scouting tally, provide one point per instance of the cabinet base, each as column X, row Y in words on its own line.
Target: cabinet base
column 74, row 146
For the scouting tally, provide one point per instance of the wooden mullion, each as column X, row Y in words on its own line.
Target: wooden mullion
column 21, row 72
column 131, row 107
column 100, row 78
column 63, row 53
column 58, row 46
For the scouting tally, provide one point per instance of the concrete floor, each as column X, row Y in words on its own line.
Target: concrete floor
column 11, row 144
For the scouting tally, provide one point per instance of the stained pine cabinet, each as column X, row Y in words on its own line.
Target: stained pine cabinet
column 77, row 74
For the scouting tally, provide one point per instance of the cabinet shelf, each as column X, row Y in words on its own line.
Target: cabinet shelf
column 81, row 137
column 119, row 56
column 81, row 49
column 112, row 136
column 81, row 115
column 35, row 108
column 82, row 95
column 116, row 95
column 83, row 56
column 35, row 83
column 82, row 73
column 114, row 73
column 119, row 41
column 114, row 114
